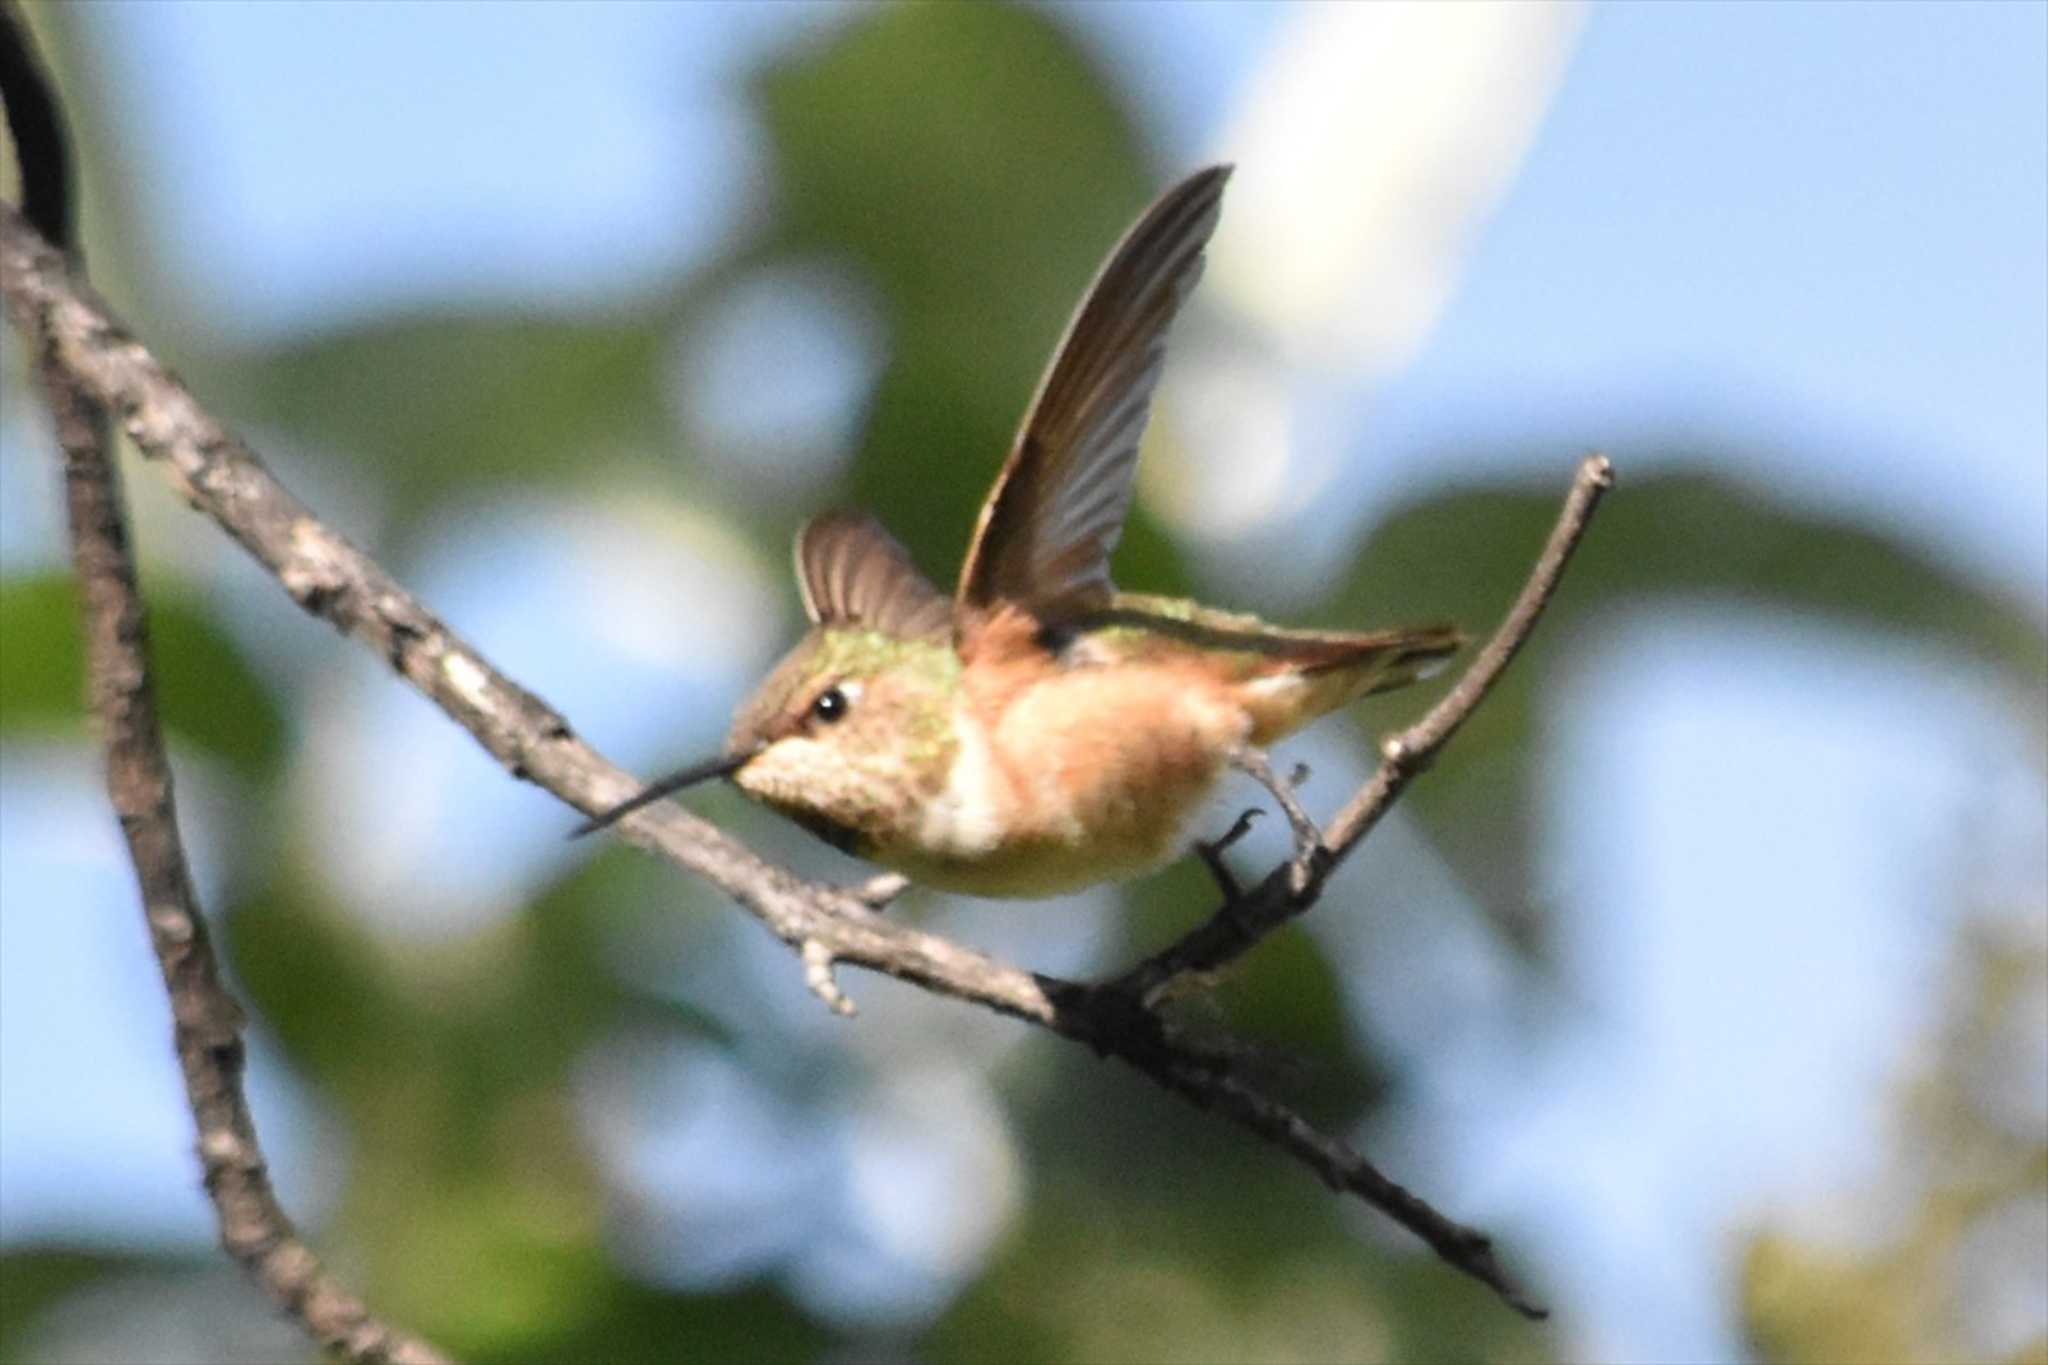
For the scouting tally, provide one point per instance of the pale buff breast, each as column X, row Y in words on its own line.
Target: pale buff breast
column 1079, row 776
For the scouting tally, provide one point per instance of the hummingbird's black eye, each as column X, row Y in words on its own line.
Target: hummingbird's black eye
column 831, row 705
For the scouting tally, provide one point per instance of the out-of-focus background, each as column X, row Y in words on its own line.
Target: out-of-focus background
column 1710, row 970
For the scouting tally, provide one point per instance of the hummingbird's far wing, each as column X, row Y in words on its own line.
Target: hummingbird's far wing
column 1058, row 506
column 852, row 572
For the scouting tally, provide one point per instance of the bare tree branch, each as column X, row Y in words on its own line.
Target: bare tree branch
column 334, row 580
column 206, row 1020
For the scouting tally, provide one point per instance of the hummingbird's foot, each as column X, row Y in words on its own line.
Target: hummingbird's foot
column 1308, row 839
column 877, row 891
column 1211, row 853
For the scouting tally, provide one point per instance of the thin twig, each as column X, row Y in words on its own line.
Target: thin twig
column 1347, row 1171
column 206, row 1020
column 1242, row 922
column 882, row 889
column 332, row 579
column 1308, row 840
column 818, row 978
column 1408, row 753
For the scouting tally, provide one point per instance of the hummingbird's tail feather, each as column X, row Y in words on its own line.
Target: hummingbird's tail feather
column 1309, row 674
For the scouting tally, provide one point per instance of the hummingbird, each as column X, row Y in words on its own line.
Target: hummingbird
column 1038, row 731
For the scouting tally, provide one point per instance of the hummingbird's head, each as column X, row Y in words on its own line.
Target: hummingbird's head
column 849, row 733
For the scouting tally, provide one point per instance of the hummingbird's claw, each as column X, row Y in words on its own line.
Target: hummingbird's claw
column 1211, row 852
column 1235, row 832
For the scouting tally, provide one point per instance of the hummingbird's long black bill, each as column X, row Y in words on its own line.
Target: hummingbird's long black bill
column 723, row 766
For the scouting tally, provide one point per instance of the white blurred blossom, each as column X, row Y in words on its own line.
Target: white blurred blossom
column 1371, row 144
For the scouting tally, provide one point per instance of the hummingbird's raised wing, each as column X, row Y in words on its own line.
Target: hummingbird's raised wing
column 852, row 572
column 1059, row 504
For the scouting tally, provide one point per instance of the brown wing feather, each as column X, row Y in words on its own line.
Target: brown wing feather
column 852, row 572
column 1058, row 506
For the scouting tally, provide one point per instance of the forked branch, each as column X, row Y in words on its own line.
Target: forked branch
column 332, row 579
column 1296, row 885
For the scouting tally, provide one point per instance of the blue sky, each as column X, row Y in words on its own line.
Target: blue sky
column 1820, row 231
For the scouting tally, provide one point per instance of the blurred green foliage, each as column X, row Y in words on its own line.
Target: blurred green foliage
column 532, row 388
column 1925, row 1291
column 208, row 694
column 31, row 1281
column 969, row 164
